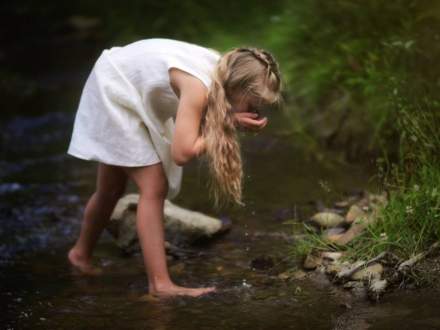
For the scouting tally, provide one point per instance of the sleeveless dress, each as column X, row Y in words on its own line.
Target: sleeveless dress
column 127, row 108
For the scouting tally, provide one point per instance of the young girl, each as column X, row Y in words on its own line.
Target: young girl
column 146, row 110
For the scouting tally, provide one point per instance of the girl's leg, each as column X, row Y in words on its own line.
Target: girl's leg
column 111, row 183
column 153, row 188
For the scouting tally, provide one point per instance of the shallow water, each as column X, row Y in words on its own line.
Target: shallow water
column 42, row 195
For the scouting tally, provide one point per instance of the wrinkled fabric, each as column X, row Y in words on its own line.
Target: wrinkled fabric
column 127, row 109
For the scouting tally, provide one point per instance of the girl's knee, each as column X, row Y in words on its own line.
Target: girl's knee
column 151, row 181
column 111, row 195
column 157, row 190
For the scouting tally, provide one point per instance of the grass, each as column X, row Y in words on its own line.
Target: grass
column 383, row 56
column 410, row 221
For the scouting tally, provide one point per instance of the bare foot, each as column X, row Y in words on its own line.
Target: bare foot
column 175, row 290
column 81, row 264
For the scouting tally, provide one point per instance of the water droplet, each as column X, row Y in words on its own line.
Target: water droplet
column 245, row 284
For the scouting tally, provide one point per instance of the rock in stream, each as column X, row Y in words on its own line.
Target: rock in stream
column 181, row 225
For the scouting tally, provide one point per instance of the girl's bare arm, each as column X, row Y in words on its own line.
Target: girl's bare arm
column 192, row 93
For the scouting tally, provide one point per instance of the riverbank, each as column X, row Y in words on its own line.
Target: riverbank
column 354, row 244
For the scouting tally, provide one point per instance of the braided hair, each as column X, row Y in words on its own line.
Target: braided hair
column 246, row 72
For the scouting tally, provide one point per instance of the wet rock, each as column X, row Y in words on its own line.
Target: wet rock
column 355, row 230
column 180, row 224
column 284, row 276
column 331, row 256
column 354, row 213
column 333, row 269
column 348, row 269
column 262, row 263
column 333, row 234
column 371, row 272
column 377, row 288
column 346, row 202
column 297, row 275
column 311, row 262
column 327, row 219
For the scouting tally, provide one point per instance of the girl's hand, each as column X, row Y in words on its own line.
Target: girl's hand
column 249, row 120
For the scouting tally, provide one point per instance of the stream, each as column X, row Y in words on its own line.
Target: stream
column 42, row 196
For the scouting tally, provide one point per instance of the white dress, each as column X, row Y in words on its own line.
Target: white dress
column 127, row 108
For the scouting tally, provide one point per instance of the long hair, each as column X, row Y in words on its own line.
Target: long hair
column 243, row 72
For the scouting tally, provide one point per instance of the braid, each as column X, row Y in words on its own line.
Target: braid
column 266, row 58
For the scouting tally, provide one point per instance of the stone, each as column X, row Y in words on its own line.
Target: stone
column 331, row 256
column 346, row 202
column 299, row 275
column 377, row 288
column 354, row 213
column 333, row 269
column 284, row 276
column 180, row 224
column 311, row 262
column 355, row 230
column 327, row 219
column 333, row 234
column 373, row 271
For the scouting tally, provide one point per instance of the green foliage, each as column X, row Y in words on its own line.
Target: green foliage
column 384, row 56
column 409, row 223
column 371, row 50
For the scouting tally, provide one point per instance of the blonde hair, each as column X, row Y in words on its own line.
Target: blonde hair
column 250, row 72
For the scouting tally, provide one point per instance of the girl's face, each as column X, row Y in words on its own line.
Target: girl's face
column 242, row 104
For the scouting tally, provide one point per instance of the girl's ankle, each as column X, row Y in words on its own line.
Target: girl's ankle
column 160, row 285
column 76, row 253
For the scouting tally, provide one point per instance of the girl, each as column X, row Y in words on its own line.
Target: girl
column 146, row 110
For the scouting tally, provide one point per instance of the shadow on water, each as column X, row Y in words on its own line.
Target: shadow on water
column 42, row 195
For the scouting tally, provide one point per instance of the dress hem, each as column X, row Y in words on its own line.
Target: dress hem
column 97, row 159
